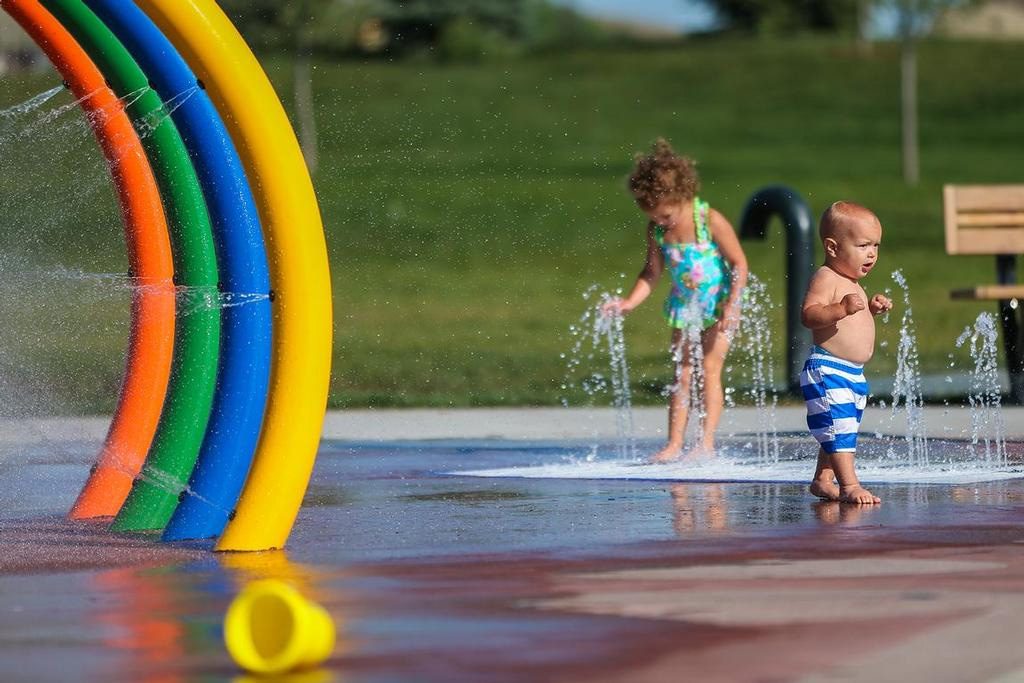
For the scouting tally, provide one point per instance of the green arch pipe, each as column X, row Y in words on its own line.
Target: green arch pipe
column 186, row 410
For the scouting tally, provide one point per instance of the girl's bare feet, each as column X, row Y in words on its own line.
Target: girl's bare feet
column 826, row 490
column 699, row 453
column 670, row 452
column 857, row 494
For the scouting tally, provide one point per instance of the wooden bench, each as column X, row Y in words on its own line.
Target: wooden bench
column 989, row 219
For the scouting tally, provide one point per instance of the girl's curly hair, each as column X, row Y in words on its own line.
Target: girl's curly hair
column 661, row 175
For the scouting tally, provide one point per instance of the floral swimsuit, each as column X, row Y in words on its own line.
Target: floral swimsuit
column 700, row 277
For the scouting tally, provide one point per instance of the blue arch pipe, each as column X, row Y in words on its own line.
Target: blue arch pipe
column 244, row 370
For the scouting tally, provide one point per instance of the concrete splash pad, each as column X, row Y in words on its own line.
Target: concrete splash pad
column 879, row 461
column 433, row 576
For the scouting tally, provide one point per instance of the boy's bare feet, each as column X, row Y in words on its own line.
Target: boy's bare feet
column 826, row 490
column 858, row 495
column 670, row 452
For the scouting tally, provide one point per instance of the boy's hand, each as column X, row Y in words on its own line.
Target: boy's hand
column 879, row 304
column 852, row 303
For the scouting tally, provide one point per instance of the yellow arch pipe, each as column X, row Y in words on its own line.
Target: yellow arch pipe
column 297, row 255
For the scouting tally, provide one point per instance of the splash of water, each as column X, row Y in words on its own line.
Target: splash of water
column 157, row 478
column 610, row 328
column 754, row 347
column 603, row 335
column 236, row 299
column 168, row 483
column 687, row 354
column 191, row 299
column 45, row 307
column 988, row 434
column 19, row 127
column 16, row 111
column 47, row 148
column 906, row 389
column 146, row 125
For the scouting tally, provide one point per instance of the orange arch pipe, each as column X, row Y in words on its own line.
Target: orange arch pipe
column 151, row 339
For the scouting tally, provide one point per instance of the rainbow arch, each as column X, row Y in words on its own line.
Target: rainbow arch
column 222, row 403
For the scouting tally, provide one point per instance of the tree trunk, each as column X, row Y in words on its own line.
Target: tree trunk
column 303, row 73
column 908, row 106
column 863, row 18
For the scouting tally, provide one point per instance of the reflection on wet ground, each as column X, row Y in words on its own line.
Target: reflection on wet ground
column 436, row 576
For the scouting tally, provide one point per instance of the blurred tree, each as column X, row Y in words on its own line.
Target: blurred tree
column 326, row 26
column 506, row 16
column 301, row 27
column 471, row 29
column 914, row 19
column 457, row 29
column 784, row 16
column 302, row 22
column 548, row 26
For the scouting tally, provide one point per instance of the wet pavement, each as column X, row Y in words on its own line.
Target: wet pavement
column 435, row 576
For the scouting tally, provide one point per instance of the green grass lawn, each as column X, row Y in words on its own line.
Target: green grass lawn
column 468, row 207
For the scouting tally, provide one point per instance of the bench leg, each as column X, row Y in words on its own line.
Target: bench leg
column 1012, row 341
column 1009, row 316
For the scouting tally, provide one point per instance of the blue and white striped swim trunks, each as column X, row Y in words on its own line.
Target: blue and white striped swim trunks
column 836, row 392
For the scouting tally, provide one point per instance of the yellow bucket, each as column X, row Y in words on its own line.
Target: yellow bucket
column 271, row 628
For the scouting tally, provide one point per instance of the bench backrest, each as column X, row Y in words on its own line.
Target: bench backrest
column 984, row 219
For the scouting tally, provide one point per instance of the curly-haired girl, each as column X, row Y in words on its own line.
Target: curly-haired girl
column 708, row 270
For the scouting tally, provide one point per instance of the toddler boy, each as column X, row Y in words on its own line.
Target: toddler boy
column 840, row 316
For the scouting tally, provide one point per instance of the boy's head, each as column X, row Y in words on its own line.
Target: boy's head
column 851, row 235
column 662, row 176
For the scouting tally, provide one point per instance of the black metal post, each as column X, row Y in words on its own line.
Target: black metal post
column 798, row 224
column 1006, row 274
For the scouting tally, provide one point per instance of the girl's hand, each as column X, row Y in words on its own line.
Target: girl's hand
column 614, row 307
column 731, row 317
column 879, row 304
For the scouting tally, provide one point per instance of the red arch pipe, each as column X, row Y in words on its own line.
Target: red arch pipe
column 151, row 339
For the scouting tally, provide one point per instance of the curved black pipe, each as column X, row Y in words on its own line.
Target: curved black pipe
column 787, row 203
